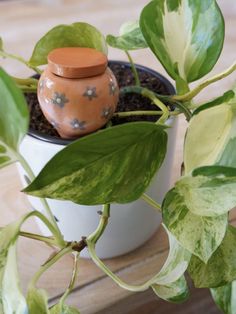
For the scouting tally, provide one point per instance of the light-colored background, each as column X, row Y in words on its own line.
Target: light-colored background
column 22, row 23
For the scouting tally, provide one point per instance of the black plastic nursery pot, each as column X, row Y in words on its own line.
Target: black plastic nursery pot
column 129, row 102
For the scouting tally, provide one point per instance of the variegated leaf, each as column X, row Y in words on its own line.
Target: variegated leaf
column 210, row 191
column 74, row 35
column 175, row 292
column 211, row 138
column 113, row 165
column 169, row 284
column 130, row 38
column 12, row 299
column 198, row 234
column 63, row 309
column 221, row 267
column 37, row 301
column 227, row 97
column 186, row 35
column 225, row 297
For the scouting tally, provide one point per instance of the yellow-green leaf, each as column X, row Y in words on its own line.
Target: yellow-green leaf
column 130, row 38
column 74, row 35
column 14, row 119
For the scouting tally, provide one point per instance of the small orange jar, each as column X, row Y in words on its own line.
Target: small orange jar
column 77, row 92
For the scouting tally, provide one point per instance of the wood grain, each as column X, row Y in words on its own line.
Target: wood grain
column 22, row 23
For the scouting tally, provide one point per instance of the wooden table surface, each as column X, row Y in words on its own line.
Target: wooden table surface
column 22, row 23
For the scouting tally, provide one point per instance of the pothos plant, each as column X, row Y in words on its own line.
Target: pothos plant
column 187, row 38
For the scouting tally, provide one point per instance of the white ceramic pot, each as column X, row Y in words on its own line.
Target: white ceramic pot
column 130, row 225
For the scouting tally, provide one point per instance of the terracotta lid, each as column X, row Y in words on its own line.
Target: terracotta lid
column 77, row 62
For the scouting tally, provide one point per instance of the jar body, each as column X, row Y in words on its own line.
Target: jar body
column 76, row 107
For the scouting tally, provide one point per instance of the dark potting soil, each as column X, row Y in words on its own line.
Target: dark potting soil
column 128, row 102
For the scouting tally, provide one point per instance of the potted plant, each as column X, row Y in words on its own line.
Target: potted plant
column 194, row 211
column 42, row 142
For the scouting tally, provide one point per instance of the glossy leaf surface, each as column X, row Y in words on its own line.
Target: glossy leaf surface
column 63, row 309
column 14, row 119
column 37, row 301
column 210, row 191
column 113, row 165
column 12, row 299
column 225, row 98
column 186, row 35
column 176, row 292
column 169, row 284
column 211, row 138
column 225, row 297
column 221, row 267
column 200, row 235
column 130, row 38
column 74, row 35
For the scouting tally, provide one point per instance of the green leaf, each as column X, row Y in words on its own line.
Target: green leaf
column 63, row 309
column 14, row 119
column 211, row 138
column 176, row 292
column 74, row 35
column 169, row 284
column 226, row 98
column 131, row 38
column 113, row 165
column 199, row 234
column 185, row 35
column 221, row 267
column 225, row 297
column 12, row 299
column 37, row 301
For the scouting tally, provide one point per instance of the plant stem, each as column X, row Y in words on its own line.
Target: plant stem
column 73, row 278
column 49, row 224
column 151, row 202
column 51, row 217
column 134, row 70
column 185, row 110
column 30, row 82
column 152, row 96
column 138, row 90
column 27, row 85
column 49, row 240
column 20, row 59
column 27, row 89
column 191, row 94
column 115, row 278
column 142, row 113
column 49, row 263
column 93, row 237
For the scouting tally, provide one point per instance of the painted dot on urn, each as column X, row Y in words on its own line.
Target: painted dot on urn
column 83, row 91
column 107, row 113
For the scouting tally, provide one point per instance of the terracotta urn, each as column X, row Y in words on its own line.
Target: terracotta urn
column 77, row 92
